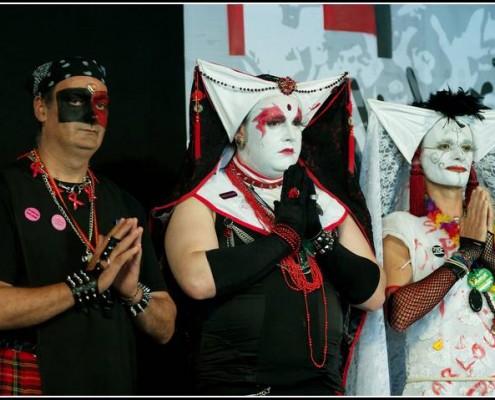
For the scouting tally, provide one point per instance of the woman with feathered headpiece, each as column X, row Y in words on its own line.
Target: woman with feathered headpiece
column 438, row 241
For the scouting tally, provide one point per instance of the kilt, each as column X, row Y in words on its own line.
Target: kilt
column 19, row 373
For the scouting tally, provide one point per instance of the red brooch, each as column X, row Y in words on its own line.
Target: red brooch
column 287, row 85
column 293, row 193
column 36, row 168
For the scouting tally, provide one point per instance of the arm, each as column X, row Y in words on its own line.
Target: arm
column 190, row 233
column 158, row 317
column 408, row 302
column 204, row 270
column 24, row 307
column 201, row 268
column 158, row 320
column 361, row 274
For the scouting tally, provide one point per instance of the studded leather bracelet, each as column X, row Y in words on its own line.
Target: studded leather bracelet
column 135, row 309
column 323, row 242
column 84, row 287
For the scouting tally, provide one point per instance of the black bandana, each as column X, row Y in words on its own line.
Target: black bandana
column 46, row 76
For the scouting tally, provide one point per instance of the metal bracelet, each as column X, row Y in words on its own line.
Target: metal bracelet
column 139, row 307
column 323, row 242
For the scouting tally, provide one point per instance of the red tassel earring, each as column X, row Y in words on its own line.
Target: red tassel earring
column 417, row 187
column 197, row 96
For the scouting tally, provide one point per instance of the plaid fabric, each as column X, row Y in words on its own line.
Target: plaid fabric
column 19, row 373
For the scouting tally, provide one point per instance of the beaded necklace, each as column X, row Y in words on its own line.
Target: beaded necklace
column 295, row 267
column 37, row 167
column 443, row 221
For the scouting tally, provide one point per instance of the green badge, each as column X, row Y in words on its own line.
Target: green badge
column 480, row 279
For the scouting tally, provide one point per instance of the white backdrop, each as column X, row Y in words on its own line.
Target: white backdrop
column 444, row 45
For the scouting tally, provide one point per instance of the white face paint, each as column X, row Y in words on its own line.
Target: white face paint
column 447, row 153
column 273, row 135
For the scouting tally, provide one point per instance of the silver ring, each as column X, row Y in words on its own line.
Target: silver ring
column 313, row 197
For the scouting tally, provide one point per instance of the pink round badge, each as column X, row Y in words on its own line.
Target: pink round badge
column 32, row 214
column 59, row 222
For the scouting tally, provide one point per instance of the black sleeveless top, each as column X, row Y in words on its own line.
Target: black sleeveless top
column 260, row 335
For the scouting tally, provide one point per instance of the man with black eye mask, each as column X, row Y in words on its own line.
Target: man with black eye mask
column 83, row 105
column 78, row 268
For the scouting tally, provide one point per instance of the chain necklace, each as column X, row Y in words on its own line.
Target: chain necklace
column 75, row 190
column 52, row 187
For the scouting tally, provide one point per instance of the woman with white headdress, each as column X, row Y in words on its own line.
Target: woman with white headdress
column 269, row 236
column 438, row 247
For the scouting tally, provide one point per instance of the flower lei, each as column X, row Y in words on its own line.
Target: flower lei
column 443, row 221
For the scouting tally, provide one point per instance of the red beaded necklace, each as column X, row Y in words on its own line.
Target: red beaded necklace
column 294, row 275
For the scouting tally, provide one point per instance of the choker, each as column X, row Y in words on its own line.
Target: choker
column 73, row 187
column 235, row 169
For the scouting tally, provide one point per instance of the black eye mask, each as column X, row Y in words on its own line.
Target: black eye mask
column 75, row 105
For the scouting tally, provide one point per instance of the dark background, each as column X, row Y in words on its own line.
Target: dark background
column 142, row 48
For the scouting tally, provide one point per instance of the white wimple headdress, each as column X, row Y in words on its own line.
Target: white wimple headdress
column 234, row 93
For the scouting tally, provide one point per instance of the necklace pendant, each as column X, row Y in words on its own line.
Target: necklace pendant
column 74, row 200
column 475, row 300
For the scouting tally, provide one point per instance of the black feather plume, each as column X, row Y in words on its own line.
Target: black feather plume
column 453, row 105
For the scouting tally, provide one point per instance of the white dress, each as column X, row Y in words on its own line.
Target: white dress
column 451, row 350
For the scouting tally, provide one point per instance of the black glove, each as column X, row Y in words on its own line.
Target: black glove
column 313, row 224
column 291, row 209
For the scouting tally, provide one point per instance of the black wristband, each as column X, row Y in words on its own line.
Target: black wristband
column 458, row 271
column 459, row 263
column 84, row 287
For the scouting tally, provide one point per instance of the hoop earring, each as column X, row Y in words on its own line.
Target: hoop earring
column 240, row 142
